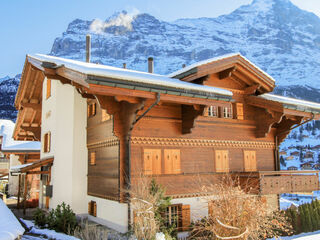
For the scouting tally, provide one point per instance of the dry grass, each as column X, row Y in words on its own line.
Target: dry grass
column 143, row 203
column 90, row 232
column 235, row 214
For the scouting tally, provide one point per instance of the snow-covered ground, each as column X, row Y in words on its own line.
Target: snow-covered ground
column 10, row 228
column 303, row 236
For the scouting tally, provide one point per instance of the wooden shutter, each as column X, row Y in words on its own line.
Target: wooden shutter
column 147, row 161
column 250, row 161
column 222, row 160
column 48, row 88
column 94, row 209
column 239, row 107
column 172, row 161
column 152, row 161
column 47, row 142
column 185, row 217
column 206, row 112
column 90, row 208
column 93, row 158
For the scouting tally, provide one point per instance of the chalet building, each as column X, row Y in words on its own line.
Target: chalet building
column 289, row 158
column 283, row 153
column 292, row 168
column 102, row 127
column 316, row 166
column 307, row 165
column 309, row 154
column 15, row 153
column 295, row 153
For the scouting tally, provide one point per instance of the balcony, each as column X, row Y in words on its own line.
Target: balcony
column 264, row 182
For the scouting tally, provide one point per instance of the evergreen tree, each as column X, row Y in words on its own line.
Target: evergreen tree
column 301, row 155
column 282, row 161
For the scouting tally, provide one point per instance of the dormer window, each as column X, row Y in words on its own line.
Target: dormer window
column 212, row 111
column 227, row 112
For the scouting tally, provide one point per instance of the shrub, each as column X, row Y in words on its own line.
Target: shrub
column 90, row 232
column 40, row 218
column 62, row 219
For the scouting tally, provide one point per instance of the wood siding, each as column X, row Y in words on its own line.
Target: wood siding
column 103, row 174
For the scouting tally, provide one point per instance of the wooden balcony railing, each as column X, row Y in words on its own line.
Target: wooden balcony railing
column 263, row 182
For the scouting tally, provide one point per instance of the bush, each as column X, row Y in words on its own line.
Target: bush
column 61, row 219
column 40, row 218
column 90, row 232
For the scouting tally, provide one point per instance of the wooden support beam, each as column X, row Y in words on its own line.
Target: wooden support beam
column 38, row 172
column 19, row 191
column 226, row 73
column 265, row 119
column 252, row 89
column 34, row 106
column 25, row 194
column 127, row 99
column 35, row 130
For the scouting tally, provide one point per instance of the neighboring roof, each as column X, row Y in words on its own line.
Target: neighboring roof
column 112, row 76
column 10, row 228
column 30, row 166
column 292, row 103
column 236, row 58
column 9, row 144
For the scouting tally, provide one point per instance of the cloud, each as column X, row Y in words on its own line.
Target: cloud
column 123, row 19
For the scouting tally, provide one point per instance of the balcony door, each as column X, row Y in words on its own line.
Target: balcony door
column 250, row 161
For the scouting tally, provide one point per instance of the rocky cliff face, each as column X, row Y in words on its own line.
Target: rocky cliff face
column 8, row 89
column 276, row 35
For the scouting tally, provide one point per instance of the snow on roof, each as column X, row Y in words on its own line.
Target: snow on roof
column 215, row 59
column 128, row 75
column 18, row 167
column 10, row 228
column 300, row 104
column 9, row 144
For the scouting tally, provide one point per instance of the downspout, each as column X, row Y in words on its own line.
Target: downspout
column 277, row 140
column 128, row 152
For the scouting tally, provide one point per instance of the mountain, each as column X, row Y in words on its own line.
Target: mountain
column 276, row 35
column 8, row 89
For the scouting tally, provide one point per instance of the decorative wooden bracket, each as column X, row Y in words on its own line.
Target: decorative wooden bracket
column 265, row 119
column 189, row 114
column 226, row 73
column 284, row 127
column 35, row 130
column 252, row 89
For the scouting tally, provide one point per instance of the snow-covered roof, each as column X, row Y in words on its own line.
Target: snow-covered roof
column 128, row 76
column 17, row 168
column 297, row 104
column 9, row 144
column 10, row 228
column 215, row 59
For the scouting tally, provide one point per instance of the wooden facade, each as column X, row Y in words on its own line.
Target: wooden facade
column 178, row 136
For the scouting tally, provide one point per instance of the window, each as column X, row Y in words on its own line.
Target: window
column 239, row 107
column 212, row 111
column 172, row 162
column 250, row 161
column 46, row 142
column 227, row 112
column 92, row 208
column 152, row 161
column 48, row 88
column 179, row 216
column 222, row 160
column 93, row 158
column 91, row 109
column 104, row 115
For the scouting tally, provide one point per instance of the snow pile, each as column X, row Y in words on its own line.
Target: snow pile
column 10, row 228
column 302, row 236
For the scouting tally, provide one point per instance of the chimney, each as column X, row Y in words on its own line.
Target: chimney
column 88, row 48
column 124, row 65
column 150, row 65
column 183, row 65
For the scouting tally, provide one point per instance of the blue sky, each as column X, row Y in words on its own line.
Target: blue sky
column 30, row 26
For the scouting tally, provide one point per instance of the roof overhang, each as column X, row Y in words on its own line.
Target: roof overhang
column 27, row 168
column 232, row 65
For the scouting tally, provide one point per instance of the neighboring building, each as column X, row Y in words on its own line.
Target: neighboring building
column 307, row 165
column 316, row 166
column 292, row 168
column 309, row 154
column 289, row 158
column 14, row 153
column 283, row 153
column 295, row 153
column 101, row 127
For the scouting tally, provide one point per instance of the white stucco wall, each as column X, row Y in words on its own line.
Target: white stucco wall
column 13, row 180
column 198, row 206
column 111, row 213
column 64, row 115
